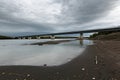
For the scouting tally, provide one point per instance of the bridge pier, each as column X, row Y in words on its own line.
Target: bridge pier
column 52, row 37
column 81, row 39
column 81, row 42
column 23, row 38
column 38, row 37
column 81, row 35
column 29, row 37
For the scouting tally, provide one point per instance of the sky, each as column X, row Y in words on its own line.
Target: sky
column 46, row 16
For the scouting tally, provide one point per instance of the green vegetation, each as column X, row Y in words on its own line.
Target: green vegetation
column 5, row 37
column 109, row 35
column 102, row 33
column 48, row 37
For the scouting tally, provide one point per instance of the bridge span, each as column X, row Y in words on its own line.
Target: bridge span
column 52, row 35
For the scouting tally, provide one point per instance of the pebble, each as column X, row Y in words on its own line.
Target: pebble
column 28, row 75
column 3, row 73
column 93, row 78
column 83, row 69
column 57, row 73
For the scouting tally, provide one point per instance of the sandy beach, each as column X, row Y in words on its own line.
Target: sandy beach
column 98, row 62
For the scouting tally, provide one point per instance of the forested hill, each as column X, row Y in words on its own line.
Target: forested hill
column 106, row 36
column 5, row 37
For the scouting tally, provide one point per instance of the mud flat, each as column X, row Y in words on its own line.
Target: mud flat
column 51, row 42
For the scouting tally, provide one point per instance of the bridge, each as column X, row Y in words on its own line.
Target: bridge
column 52, row 35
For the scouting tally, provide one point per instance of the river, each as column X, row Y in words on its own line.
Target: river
column 14, row 52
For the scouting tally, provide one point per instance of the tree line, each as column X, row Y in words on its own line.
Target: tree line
column 102, row 33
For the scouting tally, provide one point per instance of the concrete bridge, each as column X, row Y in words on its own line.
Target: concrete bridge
column 52, row 35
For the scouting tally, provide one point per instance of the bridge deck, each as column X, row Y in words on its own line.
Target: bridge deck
column 76, row 32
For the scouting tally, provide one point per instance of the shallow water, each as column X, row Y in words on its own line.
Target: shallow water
column 14, row 52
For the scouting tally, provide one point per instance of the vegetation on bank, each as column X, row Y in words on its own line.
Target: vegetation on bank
column 109, row 35
column 5, row 37
column 48, row 37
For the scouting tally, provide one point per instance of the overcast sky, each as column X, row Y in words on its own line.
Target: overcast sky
column 58, row 15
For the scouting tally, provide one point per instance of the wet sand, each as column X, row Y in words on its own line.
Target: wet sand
column 96, row 63
column 50, row 42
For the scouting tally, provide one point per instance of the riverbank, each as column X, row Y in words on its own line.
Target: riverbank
column 96, row 63
column 110, row 50
column 106, row 36
column 5, row 37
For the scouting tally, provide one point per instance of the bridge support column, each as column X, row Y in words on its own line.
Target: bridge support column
column 81, row 35
column 29, row 37
column 23, row 38
column 81, row 39
column 81, row 42
column 52, row 37
column 38, row 37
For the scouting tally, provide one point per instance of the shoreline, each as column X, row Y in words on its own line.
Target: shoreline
column 84, row 67
column 51, row 42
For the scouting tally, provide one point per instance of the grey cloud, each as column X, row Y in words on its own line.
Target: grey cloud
column 26, row 25
column 9, row 21
column 83, row 11
column 74, row 13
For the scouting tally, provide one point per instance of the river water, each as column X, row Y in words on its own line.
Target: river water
column 14, row 52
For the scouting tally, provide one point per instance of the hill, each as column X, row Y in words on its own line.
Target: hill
column 106, row 36
column 5, row 37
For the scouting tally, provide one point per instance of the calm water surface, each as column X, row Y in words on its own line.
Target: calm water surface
column 14, row 52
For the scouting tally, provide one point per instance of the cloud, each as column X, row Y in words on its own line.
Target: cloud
column 57, row 15
column 12, row 17
column 83, row 11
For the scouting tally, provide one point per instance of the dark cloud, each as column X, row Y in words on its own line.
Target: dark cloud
column 83, row 11
column 74, row 15
column 9, row 21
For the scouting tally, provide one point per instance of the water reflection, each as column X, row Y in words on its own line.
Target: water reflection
column 14, row 53
column 81, row 42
